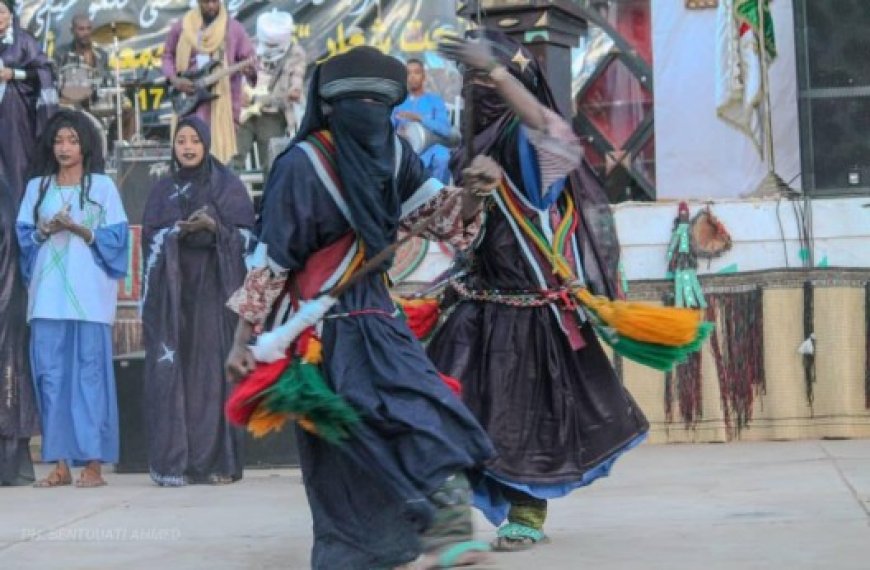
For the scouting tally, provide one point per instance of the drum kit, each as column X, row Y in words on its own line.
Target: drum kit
column 100, row 97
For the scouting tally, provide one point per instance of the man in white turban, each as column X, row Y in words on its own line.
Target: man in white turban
column 274, row 105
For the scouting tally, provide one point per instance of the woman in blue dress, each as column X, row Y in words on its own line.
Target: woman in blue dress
column 73, row 235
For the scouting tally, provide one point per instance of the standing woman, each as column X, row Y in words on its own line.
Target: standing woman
column 195, row 232
column 73, row 235
column 27, row 97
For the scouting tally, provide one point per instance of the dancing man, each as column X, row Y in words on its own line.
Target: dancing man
column 337, row 197
column 532, row 370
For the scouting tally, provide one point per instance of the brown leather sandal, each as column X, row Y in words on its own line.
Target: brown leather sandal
column 89, row 479
column 54, row 479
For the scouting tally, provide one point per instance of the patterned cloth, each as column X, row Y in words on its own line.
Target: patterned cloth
column 264, row 284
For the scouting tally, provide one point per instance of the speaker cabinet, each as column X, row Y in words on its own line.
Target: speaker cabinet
column 275, row 450
column 833, row 45
column 139, row 167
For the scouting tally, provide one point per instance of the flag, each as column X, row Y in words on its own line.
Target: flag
column 739, row 84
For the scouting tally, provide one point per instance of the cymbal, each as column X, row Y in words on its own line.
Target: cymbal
column 104, row 34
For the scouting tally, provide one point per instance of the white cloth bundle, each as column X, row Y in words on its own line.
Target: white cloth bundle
column 272, row 346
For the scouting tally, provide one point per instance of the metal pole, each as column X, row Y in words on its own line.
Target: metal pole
column 118, row 93
column 47, row 27
column 767, row 113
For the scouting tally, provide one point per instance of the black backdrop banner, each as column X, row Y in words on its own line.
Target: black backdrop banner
column 323, row 27
column 404, row 28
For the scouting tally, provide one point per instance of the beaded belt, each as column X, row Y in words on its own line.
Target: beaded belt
column 530, row 298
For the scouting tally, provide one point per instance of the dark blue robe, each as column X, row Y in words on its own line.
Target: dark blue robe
column 18, row 415
column 368, row 497
column 188, row 330
column 25, row 107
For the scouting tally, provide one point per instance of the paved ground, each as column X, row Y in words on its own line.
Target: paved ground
column 795, row 506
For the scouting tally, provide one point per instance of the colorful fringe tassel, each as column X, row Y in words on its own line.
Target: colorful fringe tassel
column 420, row 314
column 291, row 389
column 658, row 337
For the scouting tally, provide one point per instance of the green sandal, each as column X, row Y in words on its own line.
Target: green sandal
column 450, row 556
column 513, row 537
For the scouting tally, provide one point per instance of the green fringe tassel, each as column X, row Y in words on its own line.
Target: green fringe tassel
column 301, row 390
column 656, row 356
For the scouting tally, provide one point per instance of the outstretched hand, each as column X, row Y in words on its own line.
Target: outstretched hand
column 476, row 54
column 482, row 176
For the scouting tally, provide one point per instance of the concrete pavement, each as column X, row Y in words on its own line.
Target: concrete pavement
column 790, row 505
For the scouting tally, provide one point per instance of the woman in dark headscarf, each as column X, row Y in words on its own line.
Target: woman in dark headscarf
column 27, row 97
column 194, row 234
column 532, row 370
column 18, row 416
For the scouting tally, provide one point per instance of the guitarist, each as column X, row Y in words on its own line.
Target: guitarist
column 270, row 109
column 207, row 34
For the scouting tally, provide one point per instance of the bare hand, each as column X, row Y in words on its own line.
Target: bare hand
column 63, row 221
column 184, row 85
column 6, row 74
column 482, row 175
column 240, row 363
column 476, row 54
column 198, row 221
column 48, row 228
column 295, row 95
column 409, row 116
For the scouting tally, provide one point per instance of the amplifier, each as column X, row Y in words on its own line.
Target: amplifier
column 274, row 450
column 139, row 167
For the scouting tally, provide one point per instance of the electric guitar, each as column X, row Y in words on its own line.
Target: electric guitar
column 260, row 98
column 184, row 104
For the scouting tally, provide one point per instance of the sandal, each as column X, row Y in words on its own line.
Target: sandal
column 220, row 480
column 91, row 480
column 514, row 537
column 54, row 479
column 469, row 553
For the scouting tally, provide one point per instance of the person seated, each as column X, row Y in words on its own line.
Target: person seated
column 428, row 110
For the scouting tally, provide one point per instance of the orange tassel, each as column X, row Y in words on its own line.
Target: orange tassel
column 643, row 322
column 307, row 425
column 263, row 421
column 314, row 351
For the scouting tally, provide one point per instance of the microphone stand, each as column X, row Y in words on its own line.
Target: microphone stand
column 118, row 92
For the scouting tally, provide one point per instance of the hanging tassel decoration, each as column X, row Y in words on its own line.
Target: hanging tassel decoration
column 421, row 315
column 292, row 389
column 658, row 337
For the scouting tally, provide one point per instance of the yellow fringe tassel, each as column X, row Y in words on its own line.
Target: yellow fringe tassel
column 643, row 322
column 313, row 352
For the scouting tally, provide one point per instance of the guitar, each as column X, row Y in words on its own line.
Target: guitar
column 261, row 98
column 184, row 104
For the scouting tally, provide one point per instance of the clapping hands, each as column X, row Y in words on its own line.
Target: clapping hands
column 198, row 221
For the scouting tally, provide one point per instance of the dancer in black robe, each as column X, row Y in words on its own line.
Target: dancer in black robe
column 532, row 370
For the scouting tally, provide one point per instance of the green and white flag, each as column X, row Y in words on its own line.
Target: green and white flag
column 739, row 84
